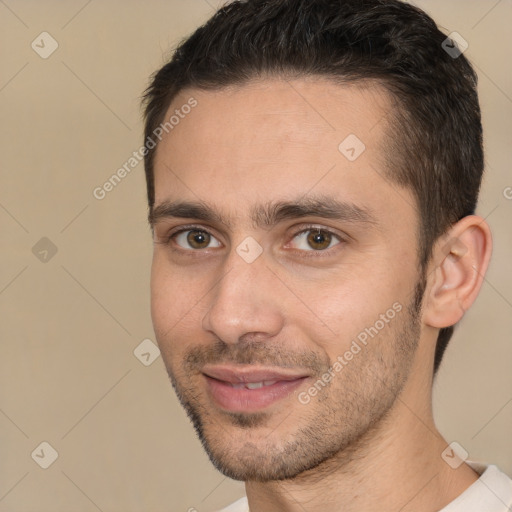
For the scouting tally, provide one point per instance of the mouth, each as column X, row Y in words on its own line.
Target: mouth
column 249, row 389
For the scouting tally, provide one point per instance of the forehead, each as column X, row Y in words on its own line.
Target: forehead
column 273, row 139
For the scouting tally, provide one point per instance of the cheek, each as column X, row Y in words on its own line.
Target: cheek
column 349, row 303
column 176, row 308
column 160, row 292
column 168, row 297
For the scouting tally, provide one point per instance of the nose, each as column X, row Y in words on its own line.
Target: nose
column 244, row 301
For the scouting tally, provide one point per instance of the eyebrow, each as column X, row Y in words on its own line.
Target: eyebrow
column 268, row 214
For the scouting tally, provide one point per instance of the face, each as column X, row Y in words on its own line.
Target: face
column 285, row 272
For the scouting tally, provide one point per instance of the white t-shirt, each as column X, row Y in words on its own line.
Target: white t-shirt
column 492, row 492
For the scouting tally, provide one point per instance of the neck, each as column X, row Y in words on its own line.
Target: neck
column 395, row 467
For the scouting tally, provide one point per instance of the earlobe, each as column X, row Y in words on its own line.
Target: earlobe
column 461, row 258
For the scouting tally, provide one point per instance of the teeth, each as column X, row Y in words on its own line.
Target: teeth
column 253, row 385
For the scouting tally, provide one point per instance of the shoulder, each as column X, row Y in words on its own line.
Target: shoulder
column 492, row 492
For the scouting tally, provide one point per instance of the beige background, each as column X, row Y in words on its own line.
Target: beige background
column 69, row 325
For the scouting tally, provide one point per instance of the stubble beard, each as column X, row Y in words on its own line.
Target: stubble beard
column 326, row 434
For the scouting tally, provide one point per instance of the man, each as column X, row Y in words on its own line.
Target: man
column 313, row 169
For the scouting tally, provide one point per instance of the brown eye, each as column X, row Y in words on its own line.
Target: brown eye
column 195, row 239
column 319, row 240
column 198, row 239
column 315, row 239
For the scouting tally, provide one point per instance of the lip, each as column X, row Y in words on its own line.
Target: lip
column 220, row 381
column 248, row 373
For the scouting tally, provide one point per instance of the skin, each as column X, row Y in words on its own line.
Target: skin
column 367, row 440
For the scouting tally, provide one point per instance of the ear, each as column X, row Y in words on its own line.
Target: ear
column 459, row 263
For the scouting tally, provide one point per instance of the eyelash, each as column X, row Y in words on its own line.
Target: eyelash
column 168, row 238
